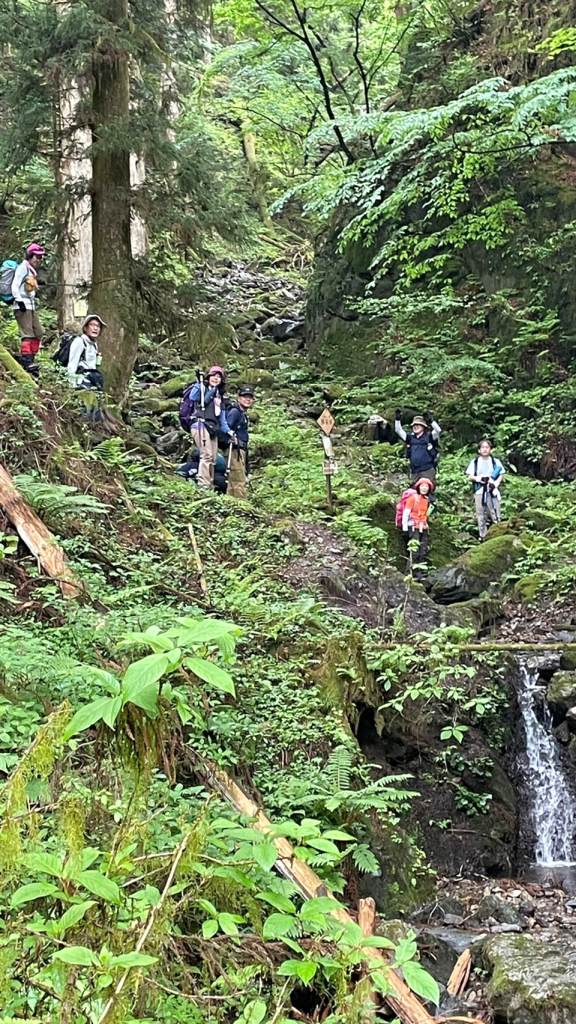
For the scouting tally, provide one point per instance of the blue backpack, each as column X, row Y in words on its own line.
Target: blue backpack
column 7, row 271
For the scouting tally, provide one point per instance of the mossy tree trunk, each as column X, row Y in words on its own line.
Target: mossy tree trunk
column 113, row 294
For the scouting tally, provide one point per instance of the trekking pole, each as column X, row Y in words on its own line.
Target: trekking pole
column 200, row 376
column 229, row 463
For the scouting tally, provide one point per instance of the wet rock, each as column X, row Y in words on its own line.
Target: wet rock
column 169, row 443
column 282, row 330
column 393, row 929
column 437, row 911
column 532, row 982
column 493, row 907
column 448, row 585
column 562, row 732
column 436, row 955
column 561, row 694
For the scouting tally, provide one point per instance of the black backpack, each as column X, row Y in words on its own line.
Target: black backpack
column 62, row 353
column 431, row 444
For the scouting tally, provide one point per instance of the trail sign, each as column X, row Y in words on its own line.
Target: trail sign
column 326, row 422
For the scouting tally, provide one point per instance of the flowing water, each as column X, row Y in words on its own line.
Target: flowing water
column 551, row 801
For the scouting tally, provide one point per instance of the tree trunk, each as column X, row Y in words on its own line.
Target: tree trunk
column 113, row 294
column 256, row 177
column 75, row 172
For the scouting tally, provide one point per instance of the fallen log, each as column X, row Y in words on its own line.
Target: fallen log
column 400, row 997
column 37, row 537
column 14, row 368
column 460, row 976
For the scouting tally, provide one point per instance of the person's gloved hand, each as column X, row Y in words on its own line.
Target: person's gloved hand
column 21, row 306
column 398, row 414
column 428, row 417
column 484, row 479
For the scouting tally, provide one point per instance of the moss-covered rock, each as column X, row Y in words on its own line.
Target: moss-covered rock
column 527, row 588
column 561, row 694
column 487, row 562
column 532, row 982
column 175, row 385
column 208, row 341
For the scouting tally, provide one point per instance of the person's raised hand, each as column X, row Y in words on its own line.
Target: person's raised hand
column 398, row 414
column 428, row 417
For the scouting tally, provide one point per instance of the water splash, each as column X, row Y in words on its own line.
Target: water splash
column 551, row 801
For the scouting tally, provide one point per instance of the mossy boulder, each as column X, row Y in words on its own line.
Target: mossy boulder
column 208, row 341
column 487, row 562
column 175, row 385
column 532, row 982
column 527, row 588
column 561, row 694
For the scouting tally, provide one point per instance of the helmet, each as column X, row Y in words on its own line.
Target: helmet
column 35, row 250
column 93, row 316
column 216, row 369
column 419, row 421
column 246, row 391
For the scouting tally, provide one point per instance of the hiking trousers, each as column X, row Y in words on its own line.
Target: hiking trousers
column 30, row 328
column 486, row 511
column 237, row 480
column 419, row 474
column 208, row 448
column 419, row 556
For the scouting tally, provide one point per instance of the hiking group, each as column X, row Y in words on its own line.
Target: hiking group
column 216, row 423
column 413, row 510
column 206, row 413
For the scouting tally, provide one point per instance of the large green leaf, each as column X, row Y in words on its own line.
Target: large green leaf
column 79, row 955
column 422, row 983
column 73, row 915
column 133, row 960
column 277, row 900
column 204, row 630
column 140, row 682
column 212, row 674
column 278, row 925
column 87, row 716
column 49, row 863
column 303, row 969
column 100, row 885
column 32, row 891
column 110, row 713
column 265, row 854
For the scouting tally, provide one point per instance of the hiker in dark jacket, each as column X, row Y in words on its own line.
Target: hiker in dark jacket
column 421, row 445
column 84, row 358
column 24, row 287
column 239, row 423
column 205, row 418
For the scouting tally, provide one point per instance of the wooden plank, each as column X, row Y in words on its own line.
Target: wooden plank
column 460, row 976
column 37, row 537
column 400, row 998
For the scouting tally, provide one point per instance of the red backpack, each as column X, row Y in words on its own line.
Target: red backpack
column 401, row 504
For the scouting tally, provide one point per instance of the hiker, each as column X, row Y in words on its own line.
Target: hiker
column 202, row 412
column 238, row 421
column 24, row 287
column 415, row 524
column 421, row 445
column 486, row 474
column 84, row 357
column 189, row 470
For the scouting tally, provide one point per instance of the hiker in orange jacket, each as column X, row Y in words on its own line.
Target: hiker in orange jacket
column 415, row 525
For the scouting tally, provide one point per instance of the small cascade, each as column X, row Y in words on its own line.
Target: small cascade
column 552, row 803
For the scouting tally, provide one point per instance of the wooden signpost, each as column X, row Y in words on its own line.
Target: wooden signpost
column 326, row 423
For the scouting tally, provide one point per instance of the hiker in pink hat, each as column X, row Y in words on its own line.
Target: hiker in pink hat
column 203, row 413
column 24, row 287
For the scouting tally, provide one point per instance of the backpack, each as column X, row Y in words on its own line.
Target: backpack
column 432, row 445
column 62, row 353
column 186, row 408
column 7, row 271
column 401, row 505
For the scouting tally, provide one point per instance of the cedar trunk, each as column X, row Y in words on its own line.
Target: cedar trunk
column 113, row 294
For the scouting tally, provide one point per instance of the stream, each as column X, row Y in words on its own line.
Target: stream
column 551, row 801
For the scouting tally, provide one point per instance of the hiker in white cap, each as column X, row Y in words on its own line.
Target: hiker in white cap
column 84, row 359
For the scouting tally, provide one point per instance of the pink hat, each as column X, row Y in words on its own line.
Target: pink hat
column 35, row 250
column 216, row 369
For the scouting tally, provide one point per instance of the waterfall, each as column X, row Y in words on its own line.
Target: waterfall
column 550, row 798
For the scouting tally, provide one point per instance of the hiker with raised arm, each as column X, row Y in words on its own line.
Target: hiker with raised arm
column 486, row 473
column 24, row 288
column 239, row 423
column 202, row 412
column 415, row 526
column 421, row 445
